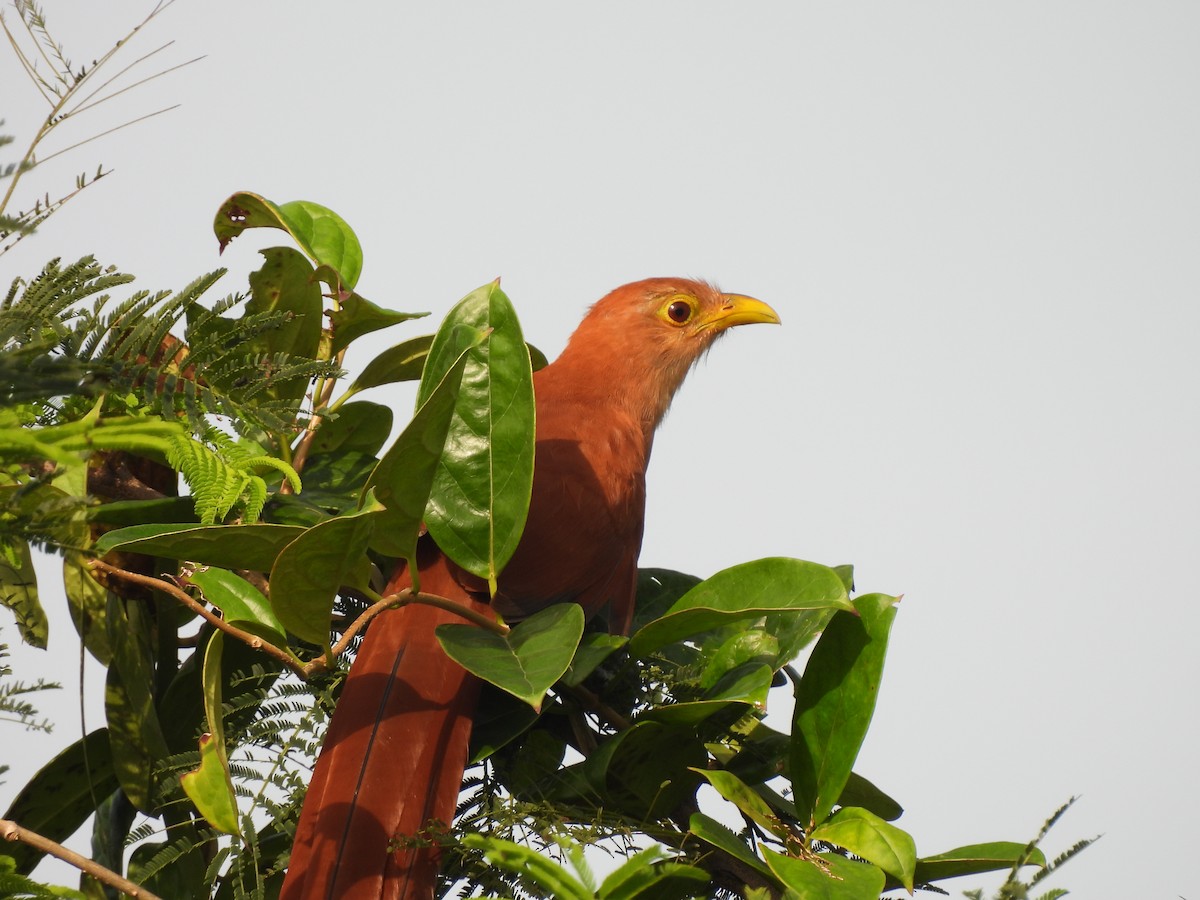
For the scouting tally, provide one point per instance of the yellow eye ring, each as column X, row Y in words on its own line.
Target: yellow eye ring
column 679, row 311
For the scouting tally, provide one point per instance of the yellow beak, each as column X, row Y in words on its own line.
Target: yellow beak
column 740, row 310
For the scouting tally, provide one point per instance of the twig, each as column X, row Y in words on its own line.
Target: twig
column 11, row 831
column 168, row 587
column 318, row 664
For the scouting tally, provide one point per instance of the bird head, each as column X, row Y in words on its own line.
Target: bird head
column 641, row 339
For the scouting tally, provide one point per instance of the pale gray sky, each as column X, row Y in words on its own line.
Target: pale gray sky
column 979, row 223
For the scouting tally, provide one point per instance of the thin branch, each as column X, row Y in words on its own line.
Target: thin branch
column 173, row 590
column 11, row 831
column 95, row 137
column 84, row 106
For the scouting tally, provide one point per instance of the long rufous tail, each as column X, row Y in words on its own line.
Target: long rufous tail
column 392, row 762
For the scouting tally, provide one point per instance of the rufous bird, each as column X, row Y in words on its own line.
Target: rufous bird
column 394, row 755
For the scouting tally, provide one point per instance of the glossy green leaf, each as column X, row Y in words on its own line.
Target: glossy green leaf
column 842, row 879
column 309, row 571
column 403, row 362
column 657, row 591
column 138, row 744
column 320, row 232
column 404, row 477
column 210, row 789
column 499, row 719
column 867, row 836
column 62, row 795
column 974, row 859
column 526, row 661
column 651, row 874
column 285, row 284
column 592, row 650
column 747, row 591
column 356, row 316
column 713, row 832
column 210, row 786
column 754, row 645
column 18, row 592
column 143, row 512
column 87, row 602
column 744, row 798
column 240, row 602
column 834, row 702
column 689, row 714
column 253, row 547
column 361, row 426
column 646, row 771
column 481, row 490
column 530, row 864
column 861, row 792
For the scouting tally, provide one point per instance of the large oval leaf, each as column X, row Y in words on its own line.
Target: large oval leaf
column 871, row 838
column 403, row 362
column 62, row 796
column 253, row 547
column 210, row 786
column 320, row 232
column 835, row 699
column 308, row 572
column 838, row 879
column 480, row 495
column 975, row 859
column 746, row 591
column 240, row 603
column 404, row 477
column 526, row 661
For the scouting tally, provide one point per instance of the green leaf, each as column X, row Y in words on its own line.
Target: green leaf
column 142, row 512
column 593, row 650
column 309, row 571
column 62, row 795
column 692, row 713
column 356, row 316
column 499, row 719
column 866, row 835
column 648, row 770
column 320, row 232
column 747, row 591
column 526, row 661
column 403, row 362
column 861, row 792
column 18, row 592
column 844, row 880
column 404, row 477
column 481, row 491
column 834, row 702
column 253, row 547
column 974, row 859
column 138, row 744
column 87, row 602
column 657, row 591
column 210, row 786
column 361, row 426
column 650, row 874
column 713, row 832
column 241, row 604
column 284, row 284
column 743, row 797
column 752, row 646
column 529, row 863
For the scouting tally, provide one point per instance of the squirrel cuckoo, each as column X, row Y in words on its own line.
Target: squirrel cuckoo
column 394, row 755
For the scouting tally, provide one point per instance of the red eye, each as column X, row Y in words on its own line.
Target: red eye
column 679, row 312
